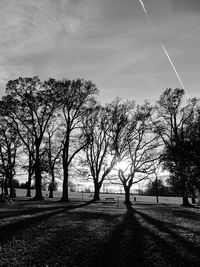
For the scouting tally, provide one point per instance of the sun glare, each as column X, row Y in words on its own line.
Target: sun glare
column 122, row 165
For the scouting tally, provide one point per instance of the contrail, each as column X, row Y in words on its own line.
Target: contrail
column 172, row 65
column 162, row 45
column 145, row 11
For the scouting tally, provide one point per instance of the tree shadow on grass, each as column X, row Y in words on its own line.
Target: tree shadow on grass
column 124, row 245
column 137, row 240
column 186, row 214
column 26, row 219
column 133, row 243
column 183, row 228
column 176, row 249
column 72, row 242
column 27, row 209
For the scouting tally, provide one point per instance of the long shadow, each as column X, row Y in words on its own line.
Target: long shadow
column 180, row 243
column 21, row 212
column 184, row 228
column 64, row 240
column 143, row 246
column 10, row 229
column 75, row 245
column 123, row 246
column 26, row 210
column 187, row 214
column 177, row 211
column 130, row 243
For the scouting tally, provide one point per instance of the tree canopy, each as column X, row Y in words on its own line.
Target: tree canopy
column 48, row 124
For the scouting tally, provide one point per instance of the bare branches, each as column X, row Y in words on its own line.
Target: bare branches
column 137, row 146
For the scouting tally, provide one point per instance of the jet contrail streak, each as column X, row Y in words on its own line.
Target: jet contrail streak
column 163, row 47
column 143, row 6
column 145, row 11
column 166, row 53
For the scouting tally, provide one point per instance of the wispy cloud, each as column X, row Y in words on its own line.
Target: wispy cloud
column 107, row 41
column 185, row 5
column 36, row 26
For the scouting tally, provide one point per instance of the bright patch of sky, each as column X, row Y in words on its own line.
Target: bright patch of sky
column 107, row 41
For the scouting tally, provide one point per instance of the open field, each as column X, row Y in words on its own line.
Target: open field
column 87, row 197
column 82, row 233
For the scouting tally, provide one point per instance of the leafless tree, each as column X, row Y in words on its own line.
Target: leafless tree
column 173, row 123
column 77, row 96
column 101, row 129
column 31, row 104
column 138, row 148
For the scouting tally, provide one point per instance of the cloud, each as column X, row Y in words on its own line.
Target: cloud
column 37, row 27
column 185, row 5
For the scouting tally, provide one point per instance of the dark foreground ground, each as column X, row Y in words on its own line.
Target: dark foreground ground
column 102, row 234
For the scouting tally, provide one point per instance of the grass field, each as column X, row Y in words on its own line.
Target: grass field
column 82, row 233
column 87, row 197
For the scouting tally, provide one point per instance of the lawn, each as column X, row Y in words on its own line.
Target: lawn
column 81, row 233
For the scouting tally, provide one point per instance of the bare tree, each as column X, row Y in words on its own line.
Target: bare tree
column 28, row 150
column 101, row 129
column 174, row 119
column 31, row 104
column 9, row 142
column 137, row 146
column 77, row 96
column 52, row 149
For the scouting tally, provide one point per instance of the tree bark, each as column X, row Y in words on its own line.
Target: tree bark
column 28, row 192
column 193, row 200
column 127, row 195
column 38, row 175
column 6, row 187
column 38, row 185
column 65, row 194
column 10, row 179
column 157, row 189
column 51, row 192
column 185, row 202
column 30, row 173
column 96, row 192
column 51, row 186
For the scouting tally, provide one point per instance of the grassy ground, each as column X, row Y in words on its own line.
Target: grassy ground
column 120, row 197
column 81, row 233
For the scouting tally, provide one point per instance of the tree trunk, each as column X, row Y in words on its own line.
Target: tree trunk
column 157, row 189
column 12, row 195
column 96, row 191
column 28, row 192
column 38, row 185
column 185, row 202
column 38, row 176
column 193, row 200
column 50, row 191
column 127, row 195
column 51, row 186
column 6, row 187
column 65, row 195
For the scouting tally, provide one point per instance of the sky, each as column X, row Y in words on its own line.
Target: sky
column 109, row 42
